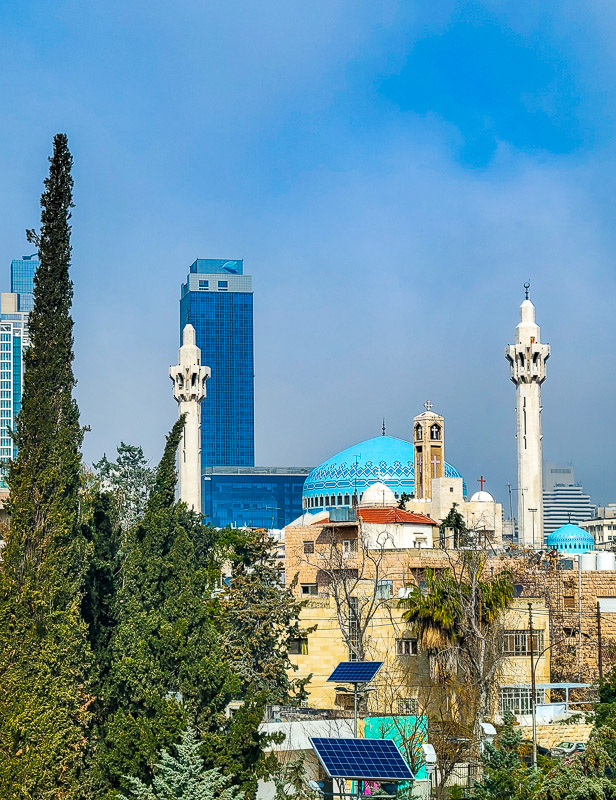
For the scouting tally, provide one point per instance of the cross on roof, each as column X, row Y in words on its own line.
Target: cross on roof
column 481, row 482
column 428, row 405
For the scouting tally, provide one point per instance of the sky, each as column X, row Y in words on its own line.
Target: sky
column 391, row 173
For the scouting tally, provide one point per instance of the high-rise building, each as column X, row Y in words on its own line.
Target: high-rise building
column 564, row 500
column 527, row 359
column 217, row 301
column 15, row 307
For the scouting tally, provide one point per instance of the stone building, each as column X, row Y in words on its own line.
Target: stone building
column 352, row 575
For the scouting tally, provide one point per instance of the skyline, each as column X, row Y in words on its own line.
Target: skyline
column 388, row 223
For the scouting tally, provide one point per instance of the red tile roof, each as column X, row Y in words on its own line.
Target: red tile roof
column 384, row 515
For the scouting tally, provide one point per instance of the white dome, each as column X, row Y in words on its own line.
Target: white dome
column 482, row 497
column 378, row 494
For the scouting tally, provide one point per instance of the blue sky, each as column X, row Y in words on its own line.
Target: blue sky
column 391, row 173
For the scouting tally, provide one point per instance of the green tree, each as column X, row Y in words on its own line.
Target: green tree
column 184, row 777
column 260, row 618
column 404, row 498
column 129, row 479
column 503, row 773
column 453, row 527
column 44, row 654
column 167, row 668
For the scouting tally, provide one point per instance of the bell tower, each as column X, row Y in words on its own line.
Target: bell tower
column 527, row 359
column 429, row 450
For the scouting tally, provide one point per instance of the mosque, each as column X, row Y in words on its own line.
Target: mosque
column 413, row 475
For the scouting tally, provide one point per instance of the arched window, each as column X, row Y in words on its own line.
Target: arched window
column 321, row 500
column 435, row 432
column 347, row 500
column 339, row 499
column 326, row 499
column 418, row 432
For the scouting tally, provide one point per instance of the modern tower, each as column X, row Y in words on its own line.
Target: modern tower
column 217, row 301
column 189, row 378
column 15, row 307
column 527, row 359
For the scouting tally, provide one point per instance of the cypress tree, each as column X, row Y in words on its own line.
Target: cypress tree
column 44, row 653
column 167, row 668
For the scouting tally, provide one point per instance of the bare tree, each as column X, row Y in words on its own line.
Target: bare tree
column 357, row 571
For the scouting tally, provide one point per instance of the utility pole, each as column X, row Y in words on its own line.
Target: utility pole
column 533, row 692
column 600, row 654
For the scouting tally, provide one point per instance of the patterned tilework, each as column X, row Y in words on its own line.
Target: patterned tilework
column 383, row 458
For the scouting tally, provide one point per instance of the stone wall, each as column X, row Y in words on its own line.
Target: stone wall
column 551, row 735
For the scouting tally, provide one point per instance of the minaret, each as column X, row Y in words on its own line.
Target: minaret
column 527, row 359
column 189, row 379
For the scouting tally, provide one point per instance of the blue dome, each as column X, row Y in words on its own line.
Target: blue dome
column 383, row 458
column 570, row 539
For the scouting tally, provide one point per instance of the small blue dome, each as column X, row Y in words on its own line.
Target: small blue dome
column 383, row 458
column 570, row 539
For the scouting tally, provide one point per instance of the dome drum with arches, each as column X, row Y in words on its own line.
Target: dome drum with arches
column 383, row 458
column 570, row 539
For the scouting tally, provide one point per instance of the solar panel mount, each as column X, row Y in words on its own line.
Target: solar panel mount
column 361, row 759
column 355, row 671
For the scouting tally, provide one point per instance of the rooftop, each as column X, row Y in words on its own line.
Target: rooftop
column 393, row 515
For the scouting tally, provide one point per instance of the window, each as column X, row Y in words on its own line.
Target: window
column 349, row 546
column 406, row 647
column 298, row 647
column 223, row 284
column 517, row 699
column 418, row 432
column 204, row 284
column 339, row 499
column 407, row 706
column 569, row 601
column 310, row 589
column 517, row 643
column 308, row 547
column 384, row 589
column 435, row 433
column 347, row 500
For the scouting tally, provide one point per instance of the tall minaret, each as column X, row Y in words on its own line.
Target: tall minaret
column 189, row 379
column 527, row 359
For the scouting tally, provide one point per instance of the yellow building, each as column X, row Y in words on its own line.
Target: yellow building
column 352, row 576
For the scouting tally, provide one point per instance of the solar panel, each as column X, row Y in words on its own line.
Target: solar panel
column 355, row 671
column 361, row 759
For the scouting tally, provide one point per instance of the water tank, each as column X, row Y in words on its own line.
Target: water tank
column 606, row 560
column 589, row 561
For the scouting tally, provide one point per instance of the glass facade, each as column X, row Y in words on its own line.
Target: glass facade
column 22, row 280
column 261, row 497
column 14, row 339
column 217, row 300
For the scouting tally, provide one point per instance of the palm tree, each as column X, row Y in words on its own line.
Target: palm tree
column 456, row 617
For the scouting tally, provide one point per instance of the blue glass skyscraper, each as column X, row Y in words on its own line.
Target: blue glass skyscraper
column 217, row 300
column 15, row 307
